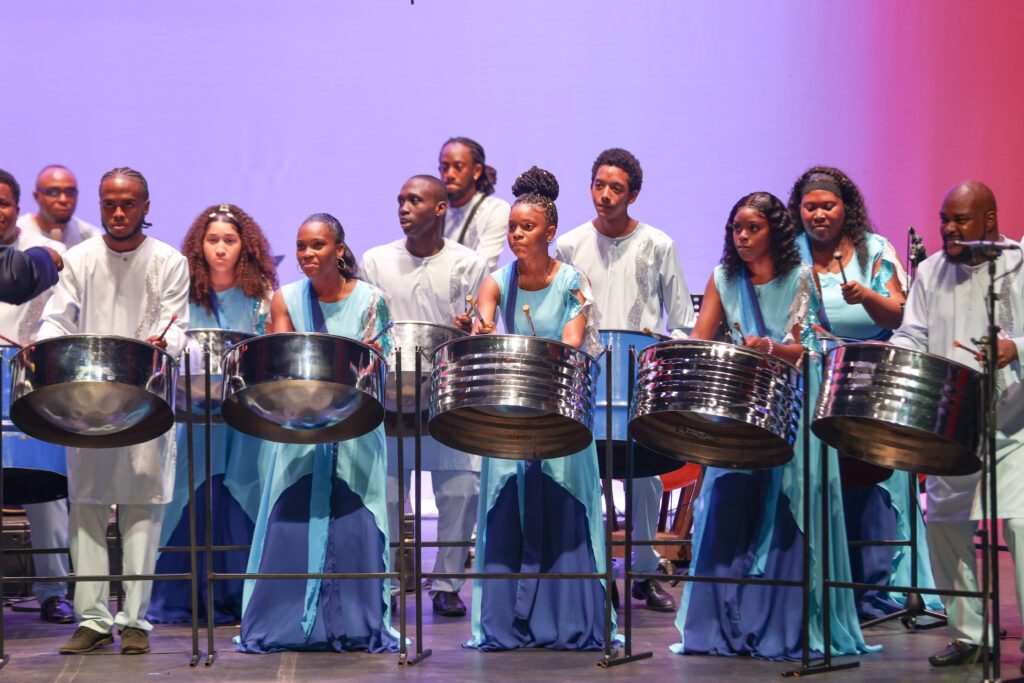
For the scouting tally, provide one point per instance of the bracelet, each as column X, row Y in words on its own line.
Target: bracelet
column 771, row 346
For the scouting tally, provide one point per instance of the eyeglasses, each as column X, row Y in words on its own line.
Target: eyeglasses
column 54, row 192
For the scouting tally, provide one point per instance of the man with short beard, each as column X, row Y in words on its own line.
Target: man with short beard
column 129, row 285
column 475, row 217
column 56, row 194
column 427, row 278
column 947, row 305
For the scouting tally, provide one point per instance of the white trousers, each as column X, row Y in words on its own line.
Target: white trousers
column 456, row 493
column 48, row 528
column 140, row 536
column 647, row 494
column 955, row 566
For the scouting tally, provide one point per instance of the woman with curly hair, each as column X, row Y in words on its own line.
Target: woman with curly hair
column 539, row 515
column 862, row 293
column 232, row 277
column 750, row 523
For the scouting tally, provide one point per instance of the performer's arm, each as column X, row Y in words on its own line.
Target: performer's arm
column 279, row 314
column 487, row 303
column 675, row 296
column 913, row 331
column 573, row 331
column 173, row 306
column 61, row 314
column 26, row 274
column 886, row 311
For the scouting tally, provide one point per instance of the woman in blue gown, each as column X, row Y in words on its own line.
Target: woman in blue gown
column 232, row 278
column 539, row 515
column 324, row 507
column 750, row 523
column 867, row 307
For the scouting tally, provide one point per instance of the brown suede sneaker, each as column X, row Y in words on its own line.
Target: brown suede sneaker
column 134, row 641
column 85, row 640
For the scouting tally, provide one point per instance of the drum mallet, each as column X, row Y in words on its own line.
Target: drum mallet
column 736, row 326
column 828, row 335
column 839, row 259
column 11, row 342
column 163, row 334
column 380, row 334
column 526, row 311
column 476, row 311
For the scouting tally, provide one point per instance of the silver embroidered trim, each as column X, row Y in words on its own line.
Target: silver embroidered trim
column 457, row 289
column 151, row 298
column 1005, row 317
column 798, row 311
column 260, row 314
column 889, row 254
column 591, row 335
column 373, row 322
column 642, row 268
column 31, row 318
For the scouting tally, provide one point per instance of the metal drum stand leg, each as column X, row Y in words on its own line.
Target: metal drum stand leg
column 3, row 653
column 609, row 520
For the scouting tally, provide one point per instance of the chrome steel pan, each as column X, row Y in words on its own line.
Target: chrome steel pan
column 646, row 463
column 199, row 339
column 295, row 387
column 716, row 404
column 93, row 391
column 900, row 408
column 510, row 396
column 408, row 335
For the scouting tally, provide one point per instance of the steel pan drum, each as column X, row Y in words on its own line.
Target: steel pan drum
column 295, row 387
column 646, row 463
column 34, row 471
column 93, row 391
column 716, row 404
column 900, row 408
column 408, row 335
column 219, row 342
column 510, row 396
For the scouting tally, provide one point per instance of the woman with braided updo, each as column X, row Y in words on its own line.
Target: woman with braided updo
column 862, row 294
column 558, row 526
column 232, row 277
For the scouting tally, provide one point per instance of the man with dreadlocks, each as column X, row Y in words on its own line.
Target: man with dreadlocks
column 475, row 217
column 130, row 285
column 634, row 270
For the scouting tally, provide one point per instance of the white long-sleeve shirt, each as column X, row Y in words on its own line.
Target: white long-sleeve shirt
column 636, row 280
column 129, row 294
column 75, row 230
column 431, row 289
column 487, row 233
column 947, row 304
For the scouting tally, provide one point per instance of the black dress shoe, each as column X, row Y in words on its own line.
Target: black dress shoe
column 656, row 598
column 448, row 604
column 957, row 652
column 56, row 610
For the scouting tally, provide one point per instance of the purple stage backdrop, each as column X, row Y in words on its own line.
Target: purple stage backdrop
column 321, row 105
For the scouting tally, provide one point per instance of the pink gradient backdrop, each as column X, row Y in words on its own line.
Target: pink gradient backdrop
column 290, row 108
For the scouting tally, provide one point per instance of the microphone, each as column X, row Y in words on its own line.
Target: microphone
column 986, row 245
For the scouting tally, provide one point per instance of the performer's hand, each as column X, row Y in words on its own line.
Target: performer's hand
column 158, row 341
column 57, row 259
column 1007, row 352
column 756, row 343
column 464, row 322
column 854, row 292
column 373, row 345
column 488, row 328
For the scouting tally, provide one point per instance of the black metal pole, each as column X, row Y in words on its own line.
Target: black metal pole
column 3, row 654
column 609, row 506
column 190, row 454
column 805, row 434
column 211, row 648
column 400, row 511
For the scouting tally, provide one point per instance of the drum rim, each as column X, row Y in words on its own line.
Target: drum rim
column 462, row 333
column 70, row 337
column 545, row 340
column 656, row 336
column 328, row 337
column 927, row 354
column 189, row 332
column 711, row 342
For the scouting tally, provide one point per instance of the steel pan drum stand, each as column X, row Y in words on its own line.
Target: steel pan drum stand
column 191, row 576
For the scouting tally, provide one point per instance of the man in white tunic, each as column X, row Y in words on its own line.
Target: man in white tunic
column 427, row 278
column 475, row 217
column 636, row 279
column 947, row 305
column 130, row 285
column 48, row 522
column 56, row 194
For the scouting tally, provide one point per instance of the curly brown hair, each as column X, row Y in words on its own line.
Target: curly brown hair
column 254, row 272
column 784, row 252
column 856, row 226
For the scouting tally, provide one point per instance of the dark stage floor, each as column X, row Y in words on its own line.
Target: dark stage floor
column 32, row 646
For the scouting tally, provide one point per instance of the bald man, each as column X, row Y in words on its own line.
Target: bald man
column 56, row 194
column 947, row 304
